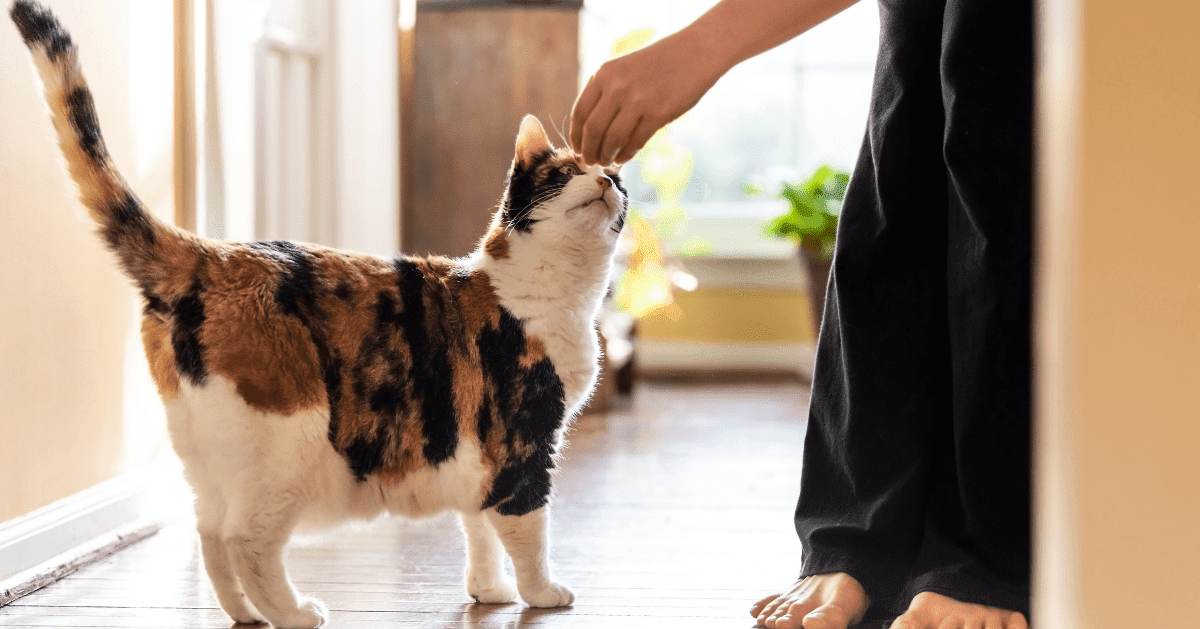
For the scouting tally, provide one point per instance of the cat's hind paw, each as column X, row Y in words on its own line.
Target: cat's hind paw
column 247, row 618
column 498, row 594
column 493, row 591
column 310, row 615
column 551, row 595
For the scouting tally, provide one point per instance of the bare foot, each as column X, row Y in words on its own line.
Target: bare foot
column 934, row 611
column 823, row 601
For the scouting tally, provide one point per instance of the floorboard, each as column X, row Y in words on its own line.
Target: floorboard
column 672, row 512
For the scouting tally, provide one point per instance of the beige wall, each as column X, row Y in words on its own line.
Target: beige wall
column 1119, row 336
column 76, row 405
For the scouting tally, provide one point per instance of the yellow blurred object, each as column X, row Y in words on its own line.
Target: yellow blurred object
column 732, row 314
column 645, row 286
column 632, row 41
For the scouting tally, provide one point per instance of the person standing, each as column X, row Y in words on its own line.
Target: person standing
column 915, row 492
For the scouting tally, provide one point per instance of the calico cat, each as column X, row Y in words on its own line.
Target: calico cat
column 306, row 385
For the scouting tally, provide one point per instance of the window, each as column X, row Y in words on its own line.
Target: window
column 773, row 118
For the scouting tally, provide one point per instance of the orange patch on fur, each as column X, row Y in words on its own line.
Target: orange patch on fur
column 478, row 302
column 497, row 245
column 269, row 356
column 156, row 339
column 535, row 350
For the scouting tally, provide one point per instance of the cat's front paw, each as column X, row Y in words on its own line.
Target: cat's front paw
column 550, row 595
column 492, row 591
column 310, row 615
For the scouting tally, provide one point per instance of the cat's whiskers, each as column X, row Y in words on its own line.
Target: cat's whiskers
column 541, row 197
column 559, row 131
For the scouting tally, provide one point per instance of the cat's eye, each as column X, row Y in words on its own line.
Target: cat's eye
column 570, row 169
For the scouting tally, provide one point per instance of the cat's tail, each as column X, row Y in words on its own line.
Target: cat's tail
column 146, row 246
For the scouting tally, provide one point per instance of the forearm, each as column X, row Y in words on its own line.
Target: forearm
column 633, row 96
column 735, row 30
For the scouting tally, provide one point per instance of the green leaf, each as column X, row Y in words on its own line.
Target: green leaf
column 818, row 178
column 836, row 189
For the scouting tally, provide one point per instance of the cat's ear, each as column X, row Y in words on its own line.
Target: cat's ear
column 531, row 141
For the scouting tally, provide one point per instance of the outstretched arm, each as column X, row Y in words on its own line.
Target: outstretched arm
column 631, row 97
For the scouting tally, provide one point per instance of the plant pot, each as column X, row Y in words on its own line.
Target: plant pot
column 818, row 280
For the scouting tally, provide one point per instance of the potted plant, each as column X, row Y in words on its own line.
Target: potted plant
column 811, row 222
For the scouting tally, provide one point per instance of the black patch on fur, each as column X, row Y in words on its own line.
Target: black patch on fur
column 542, row 405
column 523, row 190
column 620, row 224
column 154, row 305
column 522, row 485
column 82, row 113
column 332, row 375
column 388, row 401
column 38, row 25
column 483, row 421
column 364, row 456
column 528, row 485
column 295, row 293
column 616, row 179
column 129, row 230
column 538, row 417
column 344, row 292
column 432, row 376
column 500, row 352
column 188, row 315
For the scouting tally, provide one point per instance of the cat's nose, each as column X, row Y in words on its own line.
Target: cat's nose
column 605, row 182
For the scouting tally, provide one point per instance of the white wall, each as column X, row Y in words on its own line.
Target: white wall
column 78, row 406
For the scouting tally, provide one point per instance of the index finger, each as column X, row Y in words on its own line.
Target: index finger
column 579, row 113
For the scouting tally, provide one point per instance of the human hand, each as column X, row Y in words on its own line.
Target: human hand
column 632, row 97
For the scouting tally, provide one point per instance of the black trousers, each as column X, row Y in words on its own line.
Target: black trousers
column 916, row 472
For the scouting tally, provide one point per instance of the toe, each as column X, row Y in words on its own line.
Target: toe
column 827, row 617
column 797, row 614
column 762, row 604
column 788, row 621
column 1016, row 621
column 769, row 613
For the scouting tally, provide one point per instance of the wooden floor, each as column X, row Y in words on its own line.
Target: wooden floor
column 675, row 512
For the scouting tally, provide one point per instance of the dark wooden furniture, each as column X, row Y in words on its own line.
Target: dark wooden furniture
column 476, row 68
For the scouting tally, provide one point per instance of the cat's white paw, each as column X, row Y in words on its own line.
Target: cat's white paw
column 310, row 615
column 247, row 620
column 550, row 595
column 492, row 592
column 242, row 613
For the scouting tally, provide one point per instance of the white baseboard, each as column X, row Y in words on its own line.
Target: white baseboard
column 724, row 355
column 63, row 564
column 45, row 545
